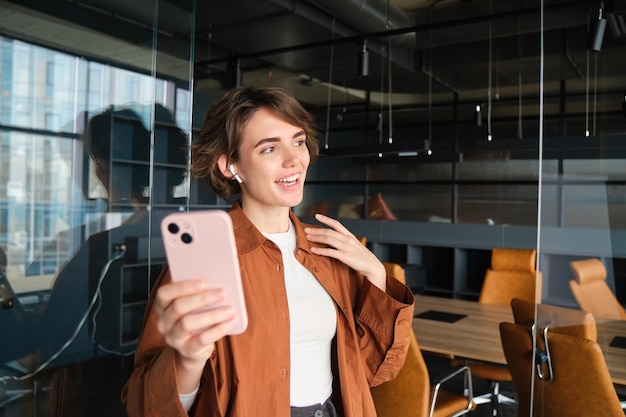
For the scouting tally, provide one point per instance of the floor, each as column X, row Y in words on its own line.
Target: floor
column 438, row 366
column 87, row 388
column 92, row 388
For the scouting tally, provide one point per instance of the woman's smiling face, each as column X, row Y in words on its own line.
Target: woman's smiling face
column 273, row 161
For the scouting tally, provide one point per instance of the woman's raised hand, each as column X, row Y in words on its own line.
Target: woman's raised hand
column 345, row 247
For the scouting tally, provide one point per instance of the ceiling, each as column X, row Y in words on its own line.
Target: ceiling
column 427, row 58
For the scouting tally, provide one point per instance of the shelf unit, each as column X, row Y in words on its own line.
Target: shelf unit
column 130, row 162
column 124, row 293
column 441, row 259
column 124, row 296
column 450, row 260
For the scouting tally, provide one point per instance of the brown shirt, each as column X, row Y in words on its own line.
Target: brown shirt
column 248, row 374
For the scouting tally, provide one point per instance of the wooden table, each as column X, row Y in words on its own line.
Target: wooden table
column 477, row 335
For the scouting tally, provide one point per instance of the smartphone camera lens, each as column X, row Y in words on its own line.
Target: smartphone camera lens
column 186, row 238
column 173, row 228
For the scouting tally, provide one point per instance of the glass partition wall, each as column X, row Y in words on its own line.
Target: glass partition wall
column 580, row 322
column 92, row 155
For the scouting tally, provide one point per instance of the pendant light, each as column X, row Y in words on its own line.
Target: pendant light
column 330, row 87
column 489, row 72
column 595, row 35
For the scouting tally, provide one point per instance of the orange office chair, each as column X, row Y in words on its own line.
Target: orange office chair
column 512, row 275
column 566, row 376
column 592, row 292
column 410, row 394
column 393, row 269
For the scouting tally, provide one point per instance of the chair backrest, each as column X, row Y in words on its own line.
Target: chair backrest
column 580, row 384
column 396, row 271
column 393, row 269
column 512, row 275
column 408, row 394
column 561, row 319
column 506, row 259
column 591, row 291
column 377, row 208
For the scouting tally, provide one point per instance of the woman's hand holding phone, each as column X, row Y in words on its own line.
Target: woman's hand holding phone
column 192, row 318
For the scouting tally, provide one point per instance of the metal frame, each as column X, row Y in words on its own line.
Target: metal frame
column 468, row 392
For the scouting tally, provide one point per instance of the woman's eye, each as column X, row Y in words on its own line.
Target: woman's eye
column 300, row 143
column 269, row 149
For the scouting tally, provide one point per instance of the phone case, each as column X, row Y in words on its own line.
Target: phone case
column 201, row 244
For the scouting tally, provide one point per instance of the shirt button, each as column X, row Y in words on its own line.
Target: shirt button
column 318, row 413
column 283, row 373
column 298, row 252
column 277, row 268
column 401, row 322
column 316, row 269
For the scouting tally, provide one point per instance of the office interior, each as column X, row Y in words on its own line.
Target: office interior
column 447, row 128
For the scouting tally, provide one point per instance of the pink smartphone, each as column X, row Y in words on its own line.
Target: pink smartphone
column 201, row 244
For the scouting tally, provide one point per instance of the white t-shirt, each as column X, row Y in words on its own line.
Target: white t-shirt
column 313, row 324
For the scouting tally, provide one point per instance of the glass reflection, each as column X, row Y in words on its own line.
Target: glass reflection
column 82, row 146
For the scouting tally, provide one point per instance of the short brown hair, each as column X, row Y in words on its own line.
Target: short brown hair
column 223, row 126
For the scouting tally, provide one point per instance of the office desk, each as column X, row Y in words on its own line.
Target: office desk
column 477, row 336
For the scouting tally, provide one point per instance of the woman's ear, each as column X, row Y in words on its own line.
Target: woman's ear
column 222, row 163
column 228, row 170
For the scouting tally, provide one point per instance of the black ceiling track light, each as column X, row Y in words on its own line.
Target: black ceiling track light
column 364, row 60
column 596, row 31
column 479, row 114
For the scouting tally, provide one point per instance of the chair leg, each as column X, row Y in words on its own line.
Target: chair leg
column 496, row 411
column 495, row 399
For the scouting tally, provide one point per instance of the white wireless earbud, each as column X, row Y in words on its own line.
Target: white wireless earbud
column 231, row 168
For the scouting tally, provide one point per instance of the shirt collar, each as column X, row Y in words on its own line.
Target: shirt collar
column 248, row 237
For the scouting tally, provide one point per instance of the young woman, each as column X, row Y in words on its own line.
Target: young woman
column 325, row 322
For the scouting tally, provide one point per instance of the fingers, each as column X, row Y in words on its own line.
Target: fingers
column 194, row 336
column 341, row 243
column 177, row 299
column 336, row 236
column 335, row 224
column 191, row 318
column 170, row 292
column 346, row 248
